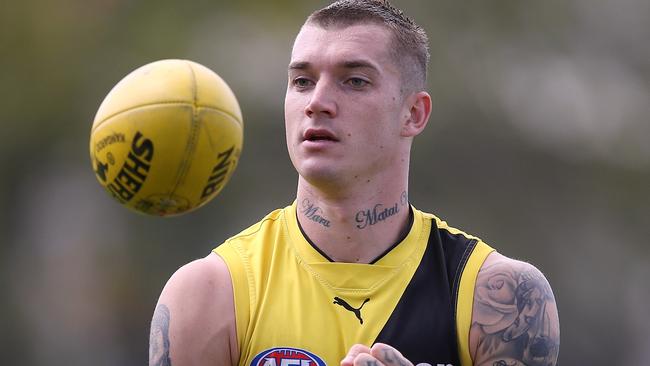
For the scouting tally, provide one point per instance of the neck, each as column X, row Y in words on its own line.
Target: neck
column 354, row 226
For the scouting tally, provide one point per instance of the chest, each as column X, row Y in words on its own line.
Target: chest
column 310, row 315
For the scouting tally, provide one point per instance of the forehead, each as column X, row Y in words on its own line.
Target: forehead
column 333, row 45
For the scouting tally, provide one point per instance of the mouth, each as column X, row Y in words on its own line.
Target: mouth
column 316, row 135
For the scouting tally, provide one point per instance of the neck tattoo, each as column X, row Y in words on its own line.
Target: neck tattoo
column 314, row 213
column 379, row 212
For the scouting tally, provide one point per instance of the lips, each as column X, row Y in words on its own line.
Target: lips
column 319, row 134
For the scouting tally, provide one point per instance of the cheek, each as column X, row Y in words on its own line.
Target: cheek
column 293, row 103
column 381, row 120
column 292, row 114
column 394, row 113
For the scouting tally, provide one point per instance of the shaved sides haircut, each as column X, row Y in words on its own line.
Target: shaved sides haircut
column 410, row 48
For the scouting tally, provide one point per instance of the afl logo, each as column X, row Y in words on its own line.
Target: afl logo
column 283, row 356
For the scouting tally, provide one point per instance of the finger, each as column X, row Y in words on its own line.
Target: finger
column 388, row 355
column 354, row 351
column 366, row 359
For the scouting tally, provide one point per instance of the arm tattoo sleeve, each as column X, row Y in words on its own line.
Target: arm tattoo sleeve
column 159, row 337
column 515, row 315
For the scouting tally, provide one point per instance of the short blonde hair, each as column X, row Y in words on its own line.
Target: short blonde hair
column 410, row 42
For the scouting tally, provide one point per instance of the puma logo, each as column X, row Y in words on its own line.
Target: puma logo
column 356, row 311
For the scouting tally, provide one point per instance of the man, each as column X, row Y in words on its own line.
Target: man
column 351, row 273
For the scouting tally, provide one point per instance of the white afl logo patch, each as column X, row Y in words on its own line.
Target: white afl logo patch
column 285, row 356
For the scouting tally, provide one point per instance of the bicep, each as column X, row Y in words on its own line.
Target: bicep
column 514, row 318
column 159, row 337
column 193, row 323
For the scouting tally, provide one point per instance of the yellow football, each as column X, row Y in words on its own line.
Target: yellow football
column 167, row 137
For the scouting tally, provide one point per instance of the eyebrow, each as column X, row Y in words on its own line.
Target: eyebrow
column 299, row 65
column 358, row 64
column 351, row 64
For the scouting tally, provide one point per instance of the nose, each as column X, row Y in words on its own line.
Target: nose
column 322, row 100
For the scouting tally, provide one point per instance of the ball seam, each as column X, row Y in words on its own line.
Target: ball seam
column 97, row 124
column 190, row 146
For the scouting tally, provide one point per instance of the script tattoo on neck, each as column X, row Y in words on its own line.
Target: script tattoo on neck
column 379, row 212
column 314, row 213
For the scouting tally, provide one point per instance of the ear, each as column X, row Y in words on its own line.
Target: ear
column 417, row 115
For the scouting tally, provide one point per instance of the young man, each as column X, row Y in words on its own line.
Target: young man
column 351, row 273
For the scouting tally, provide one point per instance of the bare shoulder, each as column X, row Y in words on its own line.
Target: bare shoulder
column 194, row 320
column 202, row 278
column 514, row 319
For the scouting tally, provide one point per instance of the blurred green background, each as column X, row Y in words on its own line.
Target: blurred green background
column 538, row 143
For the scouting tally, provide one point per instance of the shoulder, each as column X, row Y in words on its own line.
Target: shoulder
column 201, row 277
column 465, row 252
column 446, row 230
column 268, row 223
column 514, row 317
column 194, row 320
column 245, row 251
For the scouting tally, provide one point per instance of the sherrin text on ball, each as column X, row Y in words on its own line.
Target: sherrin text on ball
column 167, row 138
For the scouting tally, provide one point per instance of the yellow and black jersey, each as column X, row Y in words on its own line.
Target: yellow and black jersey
column 294, row 306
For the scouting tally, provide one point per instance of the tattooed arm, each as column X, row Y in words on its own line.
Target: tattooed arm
column 515, row 320
column 194, row 321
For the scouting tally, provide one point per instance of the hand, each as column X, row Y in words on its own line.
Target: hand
column 379, row 355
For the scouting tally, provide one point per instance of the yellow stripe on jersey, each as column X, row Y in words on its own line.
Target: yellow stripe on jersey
column 465, row 304
column 243, row 285
column 242, row 297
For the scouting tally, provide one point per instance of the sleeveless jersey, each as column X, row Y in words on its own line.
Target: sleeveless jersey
column 296, row 307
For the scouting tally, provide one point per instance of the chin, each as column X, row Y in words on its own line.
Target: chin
column 319, row 174
column 322, row 174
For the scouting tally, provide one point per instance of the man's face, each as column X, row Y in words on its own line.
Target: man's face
column 344, row 107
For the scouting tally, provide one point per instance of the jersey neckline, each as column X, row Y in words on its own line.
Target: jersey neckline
column 380, row 256
column 358, row 277
column 393, row 256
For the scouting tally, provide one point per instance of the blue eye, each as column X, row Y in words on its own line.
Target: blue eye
column 301, row 82
column 357, row 82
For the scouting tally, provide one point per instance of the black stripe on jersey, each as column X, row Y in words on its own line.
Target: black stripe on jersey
column 423, row 324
